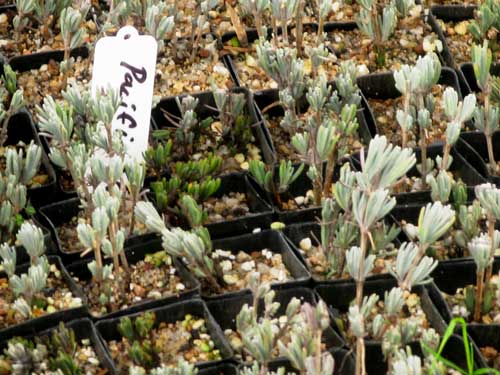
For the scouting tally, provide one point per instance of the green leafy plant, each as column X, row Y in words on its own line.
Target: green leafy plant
column 437, row 353
column 11, row 100
column 139, row 334
column 377, row 21
column 486, row 23
column 487, row 116
column 276, row 184
column 26, row 287
column 193, row 180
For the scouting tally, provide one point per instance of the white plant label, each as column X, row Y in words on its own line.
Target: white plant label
column 127, row 62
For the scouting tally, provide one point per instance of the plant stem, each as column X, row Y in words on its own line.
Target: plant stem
column 479, row 295
column 360, row 281
column 299, row 27
column 446, row 155
column 360, row 356
column 423, row 148
column 330, row 166
column 5, row 128
column 491, row 155
column 491, row 234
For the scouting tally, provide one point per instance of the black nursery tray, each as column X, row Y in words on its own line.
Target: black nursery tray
column 135, row 254
column 48, row 320
column 58, row 213
column 339, row 296
column 108, row 329
column 83, row 329
column 275, row 242
column 205, row 110
column 462, row 167
column 226, row 311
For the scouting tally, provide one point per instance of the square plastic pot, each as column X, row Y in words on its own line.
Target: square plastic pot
column 58, row 213
column 205, row 109
column 339, row 296
column 108, row 329
column 275, row 242
column 135, row 254
column 83, row 329
column 460, row 167
column 48, row 320
column 226, row 311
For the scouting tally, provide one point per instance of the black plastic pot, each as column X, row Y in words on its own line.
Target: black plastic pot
column 264, row 98
column 275, row 242
column 461, row 168
column 226, row 311
column 475, row 152
column 22, row 129
column 450, row 276
column 48, row 320
column 298, row 188
column 260, row 215
column 135, row 254
column 83, row 329
column 24, row 63
column 467, row 70
column 34, row 61
column 297, row 232
column 345, row 363
column 58, row 213
column 383, row 86
column 339, row 296
column 454, row 13
column 222, row 369
column 205, row 110
column 108, row 329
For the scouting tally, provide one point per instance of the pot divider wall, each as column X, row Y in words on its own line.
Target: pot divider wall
column 135, row 254
column 108, row 329
column 476, row 153
column 83, row 329
column 225, row 311
column 43, row 322
column 275, row 242
column 222, row 369
column 339, row 296
column 467, row 70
